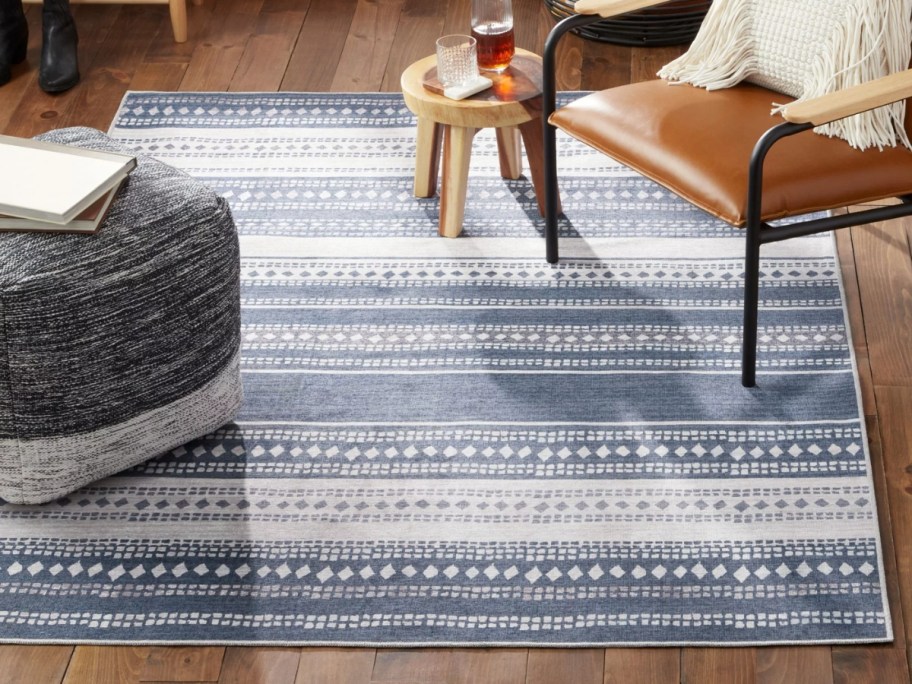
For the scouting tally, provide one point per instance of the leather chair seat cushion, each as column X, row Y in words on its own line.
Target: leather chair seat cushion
column 698, row 143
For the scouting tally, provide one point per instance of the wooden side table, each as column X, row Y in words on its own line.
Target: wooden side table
column 512, row 107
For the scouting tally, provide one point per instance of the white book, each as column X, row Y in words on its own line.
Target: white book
column 88, row 221
column 55, row 183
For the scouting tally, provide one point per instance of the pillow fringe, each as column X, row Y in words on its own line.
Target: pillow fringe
column 721, row 55
column 868, row 44
column 873, row 39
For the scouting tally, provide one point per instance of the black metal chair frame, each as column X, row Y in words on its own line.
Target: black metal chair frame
column 757, row 232
column 650, row 27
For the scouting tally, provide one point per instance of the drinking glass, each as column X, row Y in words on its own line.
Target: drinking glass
column 492, row 27
column 457, row 62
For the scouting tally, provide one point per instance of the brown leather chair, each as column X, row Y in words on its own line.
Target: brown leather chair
column 769, row 168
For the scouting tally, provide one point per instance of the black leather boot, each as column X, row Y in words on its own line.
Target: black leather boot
column 59, row 69
column 13, row 36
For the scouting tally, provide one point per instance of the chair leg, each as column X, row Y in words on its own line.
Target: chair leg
column 531, row 132
column 751, row 303
column 552, row 201
column 752, row 251
column 549, row 104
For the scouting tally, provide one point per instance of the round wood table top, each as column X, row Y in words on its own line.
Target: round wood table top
column 514, row 98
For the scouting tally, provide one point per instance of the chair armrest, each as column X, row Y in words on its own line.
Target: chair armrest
column 612, row 8
column 849, row 101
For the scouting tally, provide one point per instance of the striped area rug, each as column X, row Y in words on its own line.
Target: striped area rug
column 452, row 442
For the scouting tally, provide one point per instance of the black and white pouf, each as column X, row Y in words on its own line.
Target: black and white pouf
column 119, row 345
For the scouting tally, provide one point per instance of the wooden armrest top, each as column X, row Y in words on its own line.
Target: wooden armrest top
column 854, row 100
column 611, row 8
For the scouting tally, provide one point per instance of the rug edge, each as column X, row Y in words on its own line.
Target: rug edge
column 448, row 644
column 856, row 377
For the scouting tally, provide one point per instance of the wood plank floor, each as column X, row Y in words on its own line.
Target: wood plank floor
column 363, row 45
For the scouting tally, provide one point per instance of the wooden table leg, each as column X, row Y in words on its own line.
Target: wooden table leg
column 457, row 150
column 532, row 137
column 508, row 151
column 178, row 10
column 427, row 157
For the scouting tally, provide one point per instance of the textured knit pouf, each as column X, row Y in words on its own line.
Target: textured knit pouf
column 119, row 345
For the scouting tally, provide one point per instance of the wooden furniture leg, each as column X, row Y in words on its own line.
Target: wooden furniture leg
column 509, row 152
column 531, row 133
column 427, row 157
column 457, row 150
column 177, row 9
column 178, row 19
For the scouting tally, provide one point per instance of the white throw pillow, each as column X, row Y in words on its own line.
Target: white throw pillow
column 806, row 48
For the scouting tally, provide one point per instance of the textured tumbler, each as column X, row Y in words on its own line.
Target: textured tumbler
column 456, row 60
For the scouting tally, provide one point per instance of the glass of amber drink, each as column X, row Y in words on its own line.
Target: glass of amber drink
column 492, row 28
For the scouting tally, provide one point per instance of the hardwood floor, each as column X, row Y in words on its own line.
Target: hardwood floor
column 363, row 45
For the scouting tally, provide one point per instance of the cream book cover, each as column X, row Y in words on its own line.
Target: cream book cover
column 55, row 183
column 88, row 221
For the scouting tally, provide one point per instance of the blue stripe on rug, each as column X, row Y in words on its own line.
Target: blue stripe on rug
column 453, row 442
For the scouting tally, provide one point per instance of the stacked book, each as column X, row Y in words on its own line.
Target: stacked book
column 58, row 188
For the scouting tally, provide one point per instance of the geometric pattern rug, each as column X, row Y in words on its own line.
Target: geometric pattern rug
column 452, row 442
